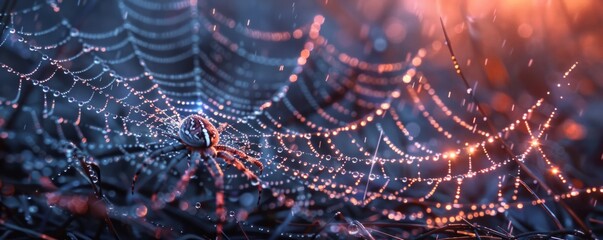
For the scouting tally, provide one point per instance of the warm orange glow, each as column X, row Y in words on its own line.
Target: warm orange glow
column 297, row 34
column 501, row 102
column 573, row 130
column 406, row 78
column 293, row 78
column 525, row 30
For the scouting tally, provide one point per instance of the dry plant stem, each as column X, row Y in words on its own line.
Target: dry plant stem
column 26, row 231
column 548, row 211
column 99, row 196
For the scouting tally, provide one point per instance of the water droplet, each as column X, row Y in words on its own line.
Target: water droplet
column 198, row 205
column 255, row 182
column 33, row 209
column 353, row 229
column 141, row 211
column 74, row 32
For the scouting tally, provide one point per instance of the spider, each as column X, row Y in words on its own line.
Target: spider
column 200, row 138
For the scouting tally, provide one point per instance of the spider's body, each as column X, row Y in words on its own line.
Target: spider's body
column 200, row 138
column 196, row 131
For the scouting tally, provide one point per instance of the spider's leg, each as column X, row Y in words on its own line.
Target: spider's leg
column 231, row 160
column 222, row 127
column 168, row 134
column 150, row 157
column 163, row 174
column 216, row 172
column 186, row 177
column 241, row 155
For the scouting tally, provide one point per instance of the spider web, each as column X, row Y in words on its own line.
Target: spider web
column 326, row 119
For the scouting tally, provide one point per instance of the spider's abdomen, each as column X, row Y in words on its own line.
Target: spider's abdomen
column 196, row 131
